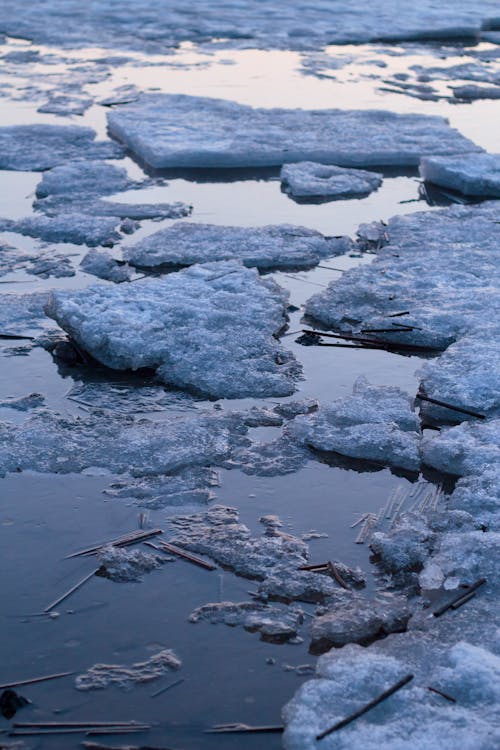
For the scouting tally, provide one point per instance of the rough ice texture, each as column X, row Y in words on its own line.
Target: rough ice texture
column 468, row 448
column 77, row 228
column 208, row 328
column 175, row 130
column 24, row 403
column 375, row 423
column 309, row 179
column 21, row 313
column 359, row 620
column 272, row 559
column 64, row 105
column 101, row 676
column 139, row 26
column 349, row 678
column 34, row 148
column 480, row 496
column 40, row 263
column 104, row 266
column 280, row 246
column 49, row 443
column 190, row 486
column 275, row 624
column 61, row 203
column 477, row 174
column 124, row 566
column 130, row 397
column 84, row 177
column 440, row 266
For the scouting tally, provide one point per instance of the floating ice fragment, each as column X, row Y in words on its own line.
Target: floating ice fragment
column 281, row 246
column 77, row 228
column 311, row 180
column 124, row 566
column 273, row 623
column 101, row 676
column 84, row 177
column 175, row 130
column 477, row 174
column 209, row 328
column 104, row 266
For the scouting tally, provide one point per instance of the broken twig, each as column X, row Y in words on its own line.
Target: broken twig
column 167, row 687
column 450, row 406
column 443, row 695
column 34, row 680
column 70, row 591
column 241, row 728
column 459, row 599
column 167, row 547
column 126, row 540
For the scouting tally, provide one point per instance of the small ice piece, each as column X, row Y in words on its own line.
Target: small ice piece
column 125, row 677
column 472, row 92
column 470, row 174
column 190, row 486
column 130, row 397
column 275, row 624
column 24, row 403
column 64, row 105
column 465, row 449
column 84, row 177
column 309, row 179
column 406, row 547
column 20, row 313
column 34, row 148
column 208, row 328
column 124, row 566
column 467, row 557
column 281, row 246
column 101, row 264
column 359, row 621
column 175, row 130
column 431, row 577
column 60, row 203
column 76, row 228
column 375, row 423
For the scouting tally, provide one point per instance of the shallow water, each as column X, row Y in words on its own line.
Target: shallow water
column 43, row 518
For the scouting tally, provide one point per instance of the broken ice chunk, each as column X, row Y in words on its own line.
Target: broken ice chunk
column 275, row 624
column 470, row 174
column 84, row 177
column 309, row 179
column 101, row 676
column 104, row 266
column 281, row 246
column 124, row 566
column 375, row 423
column 209, row 328
column 34, row 148
column 175, row 130
column 77, row 228
column 468, row 448
column 65, row 105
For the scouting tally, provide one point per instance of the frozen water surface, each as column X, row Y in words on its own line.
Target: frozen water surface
column 91, row 420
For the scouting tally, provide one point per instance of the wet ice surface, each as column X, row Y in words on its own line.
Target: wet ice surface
column 229, row 673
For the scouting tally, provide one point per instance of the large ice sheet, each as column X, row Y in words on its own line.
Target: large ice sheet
column 35, row 148
column 439, row 268
column 308, row 179
column 128, row 24
column 280, row 246
column 477, row 174
column 209, row 328
column 175, row 130
column 377, row 424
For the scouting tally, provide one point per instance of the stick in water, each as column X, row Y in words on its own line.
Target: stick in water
column 70, row 591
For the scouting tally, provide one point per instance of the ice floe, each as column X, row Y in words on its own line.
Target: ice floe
column 274, row 624
column 35, row 148
column 77, row 228
column 375, row 423
column 124, row 566
column 101, row 264
column 209, row 328
column 175, row 130
column 308, row 179
column 191, row 486
column 84, row 178
column 477, row 174
column 125, row 677
column 280, row 246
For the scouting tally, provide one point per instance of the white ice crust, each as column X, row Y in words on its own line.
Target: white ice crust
column 175, row 130
column 308, row 179
column 280, row 246
column 477, row 174
column 208, row 328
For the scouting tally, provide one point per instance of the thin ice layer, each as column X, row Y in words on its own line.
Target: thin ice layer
column 280, row 246
column 34, row 148
column 308, row 179
column 375, row 423
column 477, row 174
column 428, row 286
column 175, row 130
column 209, row 328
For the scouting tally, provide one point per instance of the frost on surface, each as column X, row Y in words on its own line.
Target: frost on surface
column 280, row 246
column 49, row 443
column 209, row 328
column 312, row 180
column 276, row 624
column 465, row 449
column 175, row 130
column 475, row 174
column 375, row 423
column 125, row 565
column 350, row 678
column 125, row 677
column 438, row 266
column 35, row 148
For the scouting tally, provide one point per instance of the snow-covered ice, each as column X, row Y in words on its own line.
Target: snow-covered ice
column 125, row 676
column 280, row 246
column 477, row 174
column 208, row 328
column 465, row 449
column 375, row 423
column 176, row 130
column 125, row 565
column 35, row 148
column 308, row 179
